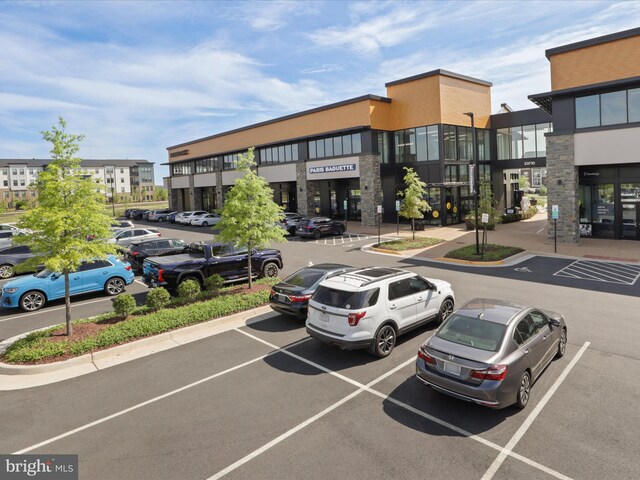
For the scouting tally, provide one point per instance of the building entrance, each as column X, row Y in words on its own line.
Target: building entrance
column 630, row 203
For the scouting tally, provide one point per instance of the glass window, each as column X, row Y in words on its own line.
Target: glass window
column 474, row 332
column 465, row 143
column 356, row 141
column 529, row 141
column 320, row 148
column 451, row 173
column 400, row 289
column 634, row 105
column 294, row 152
column 541, row 141
column 482, row 145
column 14, row 171
column 524, row 330
column 449, row 142
column 287, row 153
column 346, row 144
column 383, row 147
column 419, row 284
column 516, row 142
column 433, row 145
column 312, row 149
column 504, row 144
column 588, row 111
column 328, row 147
column 421, row 144
column 613, row 107
column 337, row 145
column 281, row 154
column 22, row 171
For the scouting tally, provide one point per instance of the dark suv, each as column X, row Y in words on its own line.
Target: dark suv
column 315, row 227
column 138, row 251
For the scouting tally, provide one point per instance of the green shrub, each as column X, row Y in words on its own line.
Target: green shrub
column 189, row 289
column 510, row 217
column 158, row 298
column 213, row 283
column 543, row 190
column 123, row 304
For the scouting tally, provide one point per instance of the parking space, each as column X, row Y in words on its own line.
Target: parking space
column 610, row 272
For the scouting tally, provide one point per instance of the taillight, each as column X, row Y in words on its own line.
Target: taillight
column 127, row 267
column 494, row 372
column 354, row 318
column 134, row 253
column 308, row 227
column 273, row 292
column 299, row 298
column 160, row 276
column 159, row 234
column 422, row 353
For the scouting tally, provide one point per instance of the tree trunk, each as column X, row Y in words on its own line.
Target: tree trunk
column 249, row 265
column 67, row 304
column 413, row 227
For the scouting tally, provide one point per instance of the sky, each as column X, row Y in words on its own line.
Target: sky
column 136, row 77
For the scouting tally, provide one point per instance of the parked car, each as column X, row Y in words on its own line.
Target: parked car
column 11, row 257
column 206, row 259
column 8, row 231
column 138, row 214
column 186, row 217
column 33, row 292
column 171, row 217
column 127, row 212
column 289, row 222
column 317, row 226
column 145, row 214
column 206, row 220
column 155, row 215
column 120, row 224
column 291, row 296
column 490, row 352
column 139, row 250
column 128, row 235
column 370, row 307
column 133, row 213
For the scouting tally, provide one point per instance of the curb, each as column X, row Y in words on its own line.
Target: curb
column 382, row 250
column 469, row 262
column 25, row 376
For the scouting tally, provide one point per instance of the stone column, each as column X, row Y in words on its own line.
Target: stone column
column 562, row 188
column 370, row 189
column 305, row 193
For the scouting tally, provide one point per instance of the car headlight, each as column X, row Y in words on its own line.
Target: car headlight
column 9, row 290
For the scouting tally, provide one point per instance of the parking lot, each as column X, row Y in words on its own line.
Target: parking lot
column 263, row 400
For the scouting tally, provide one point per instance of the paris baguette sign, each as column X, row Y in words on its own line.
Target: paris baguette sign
column 351, row 167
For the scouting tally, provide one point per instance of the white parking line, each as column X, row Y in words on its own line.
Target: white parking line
column 431, row 418
column 532, row 416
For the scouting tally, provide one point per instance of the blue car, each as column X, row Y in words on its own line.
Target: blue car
column 31, row 293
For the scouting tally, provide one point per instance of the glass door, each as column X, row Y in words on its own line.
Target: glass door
column 630, row 200
column 603, row 210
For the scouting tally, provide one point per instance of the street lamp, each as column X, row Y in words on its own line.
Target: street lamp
column 113, row 198
column 474, row 181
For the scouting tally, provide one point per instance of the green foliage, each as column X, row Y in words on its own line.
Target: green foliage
column 413, row 205
column 250, row 216
column 160, row 194
column 491, row 253
column 486, row 203
column 543, row 190
column 158, row 298
column 524, row 183
column 189, row 289
column 123, row 304
column 35, row 347
column 70, row 209
column 409, row 244
column 213, row 283
column 21, row 204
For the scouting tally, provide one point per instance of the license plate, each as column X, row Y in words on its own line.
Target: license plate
column 452, row 368
column 281, row 298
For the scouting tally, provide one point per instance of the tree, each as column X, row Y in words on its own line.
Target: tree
column 70, row 209
column 161, row 194
column 414, row 205
column 250, row 216
column 524, row 183
column 485, row 201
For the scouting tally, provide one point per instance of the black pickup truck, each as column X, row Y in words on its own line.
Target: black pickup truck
column 205, row 259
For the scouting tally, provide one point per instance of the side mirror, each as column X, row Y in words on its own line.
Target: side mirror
column 554, row 321
column 55, row 276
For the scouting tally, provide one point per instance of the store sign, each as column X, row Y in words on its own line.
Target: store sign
column 351, row 167
column 179, row 153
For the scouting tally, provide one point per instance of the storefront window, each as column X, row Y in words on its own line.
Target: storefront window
column 630, row 200
column 421, row 144
column 613, row 108
column 634, row 104
column 504, row 143
column 588, row 111
column 465, row 143
column 483, row 145
column 602, row 210
column 433, row 198
column 450, row 142
column 529, row 141
column 433, row 144
column 516, row 142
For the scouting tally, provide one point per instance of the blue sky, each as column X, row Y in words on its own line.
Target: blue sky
column 136, row 77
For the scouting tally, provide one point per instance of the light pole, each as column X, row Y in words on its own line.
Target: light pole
column 113, row 198
column 474, row 181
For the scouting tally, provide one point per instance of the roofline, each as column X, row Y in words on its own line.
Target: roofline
column 433, row 73
column 287, row 117
column 593, row 41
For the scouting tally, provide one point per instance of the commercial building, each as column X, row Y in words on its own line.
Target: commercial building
column 126, row 180
column 345, row 159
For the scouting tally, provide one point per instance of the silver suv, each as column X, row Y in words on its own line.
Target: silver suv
column 370, row 307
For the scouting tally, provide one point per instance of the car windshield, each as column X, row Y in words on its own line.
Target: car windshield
column 305, row 278
column 344, row 299
column 473, row 332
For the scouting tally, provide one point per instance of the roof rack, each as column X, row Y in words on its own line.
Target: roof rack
column 368, row 280
column 385, row 277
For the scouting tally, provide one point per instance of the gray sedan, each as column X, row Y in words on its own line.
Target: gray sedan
column 490, row 352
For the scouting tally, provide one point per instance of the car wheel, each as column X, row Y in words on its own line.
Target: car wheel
column 270, row 270
column 114, row 286
column 383, row 342
column 205, row 224
column 32, row 301
column 7, row 271
column 562, row 346
column 160, row 220
column 316, row 234
column 339, row 230
column 446, row 309
column 524, row 390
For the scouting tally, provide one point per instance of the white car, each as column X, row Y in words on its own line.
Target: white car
column 186, row 217
column 369, row 308
column 206, row 220
column 126, row 236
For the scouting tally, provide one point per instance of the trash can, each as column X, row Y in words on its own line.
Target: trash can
column 419, row 225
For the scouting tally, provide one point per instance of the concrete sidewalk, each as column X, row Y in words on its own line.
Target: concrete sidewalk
column 530, row 235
